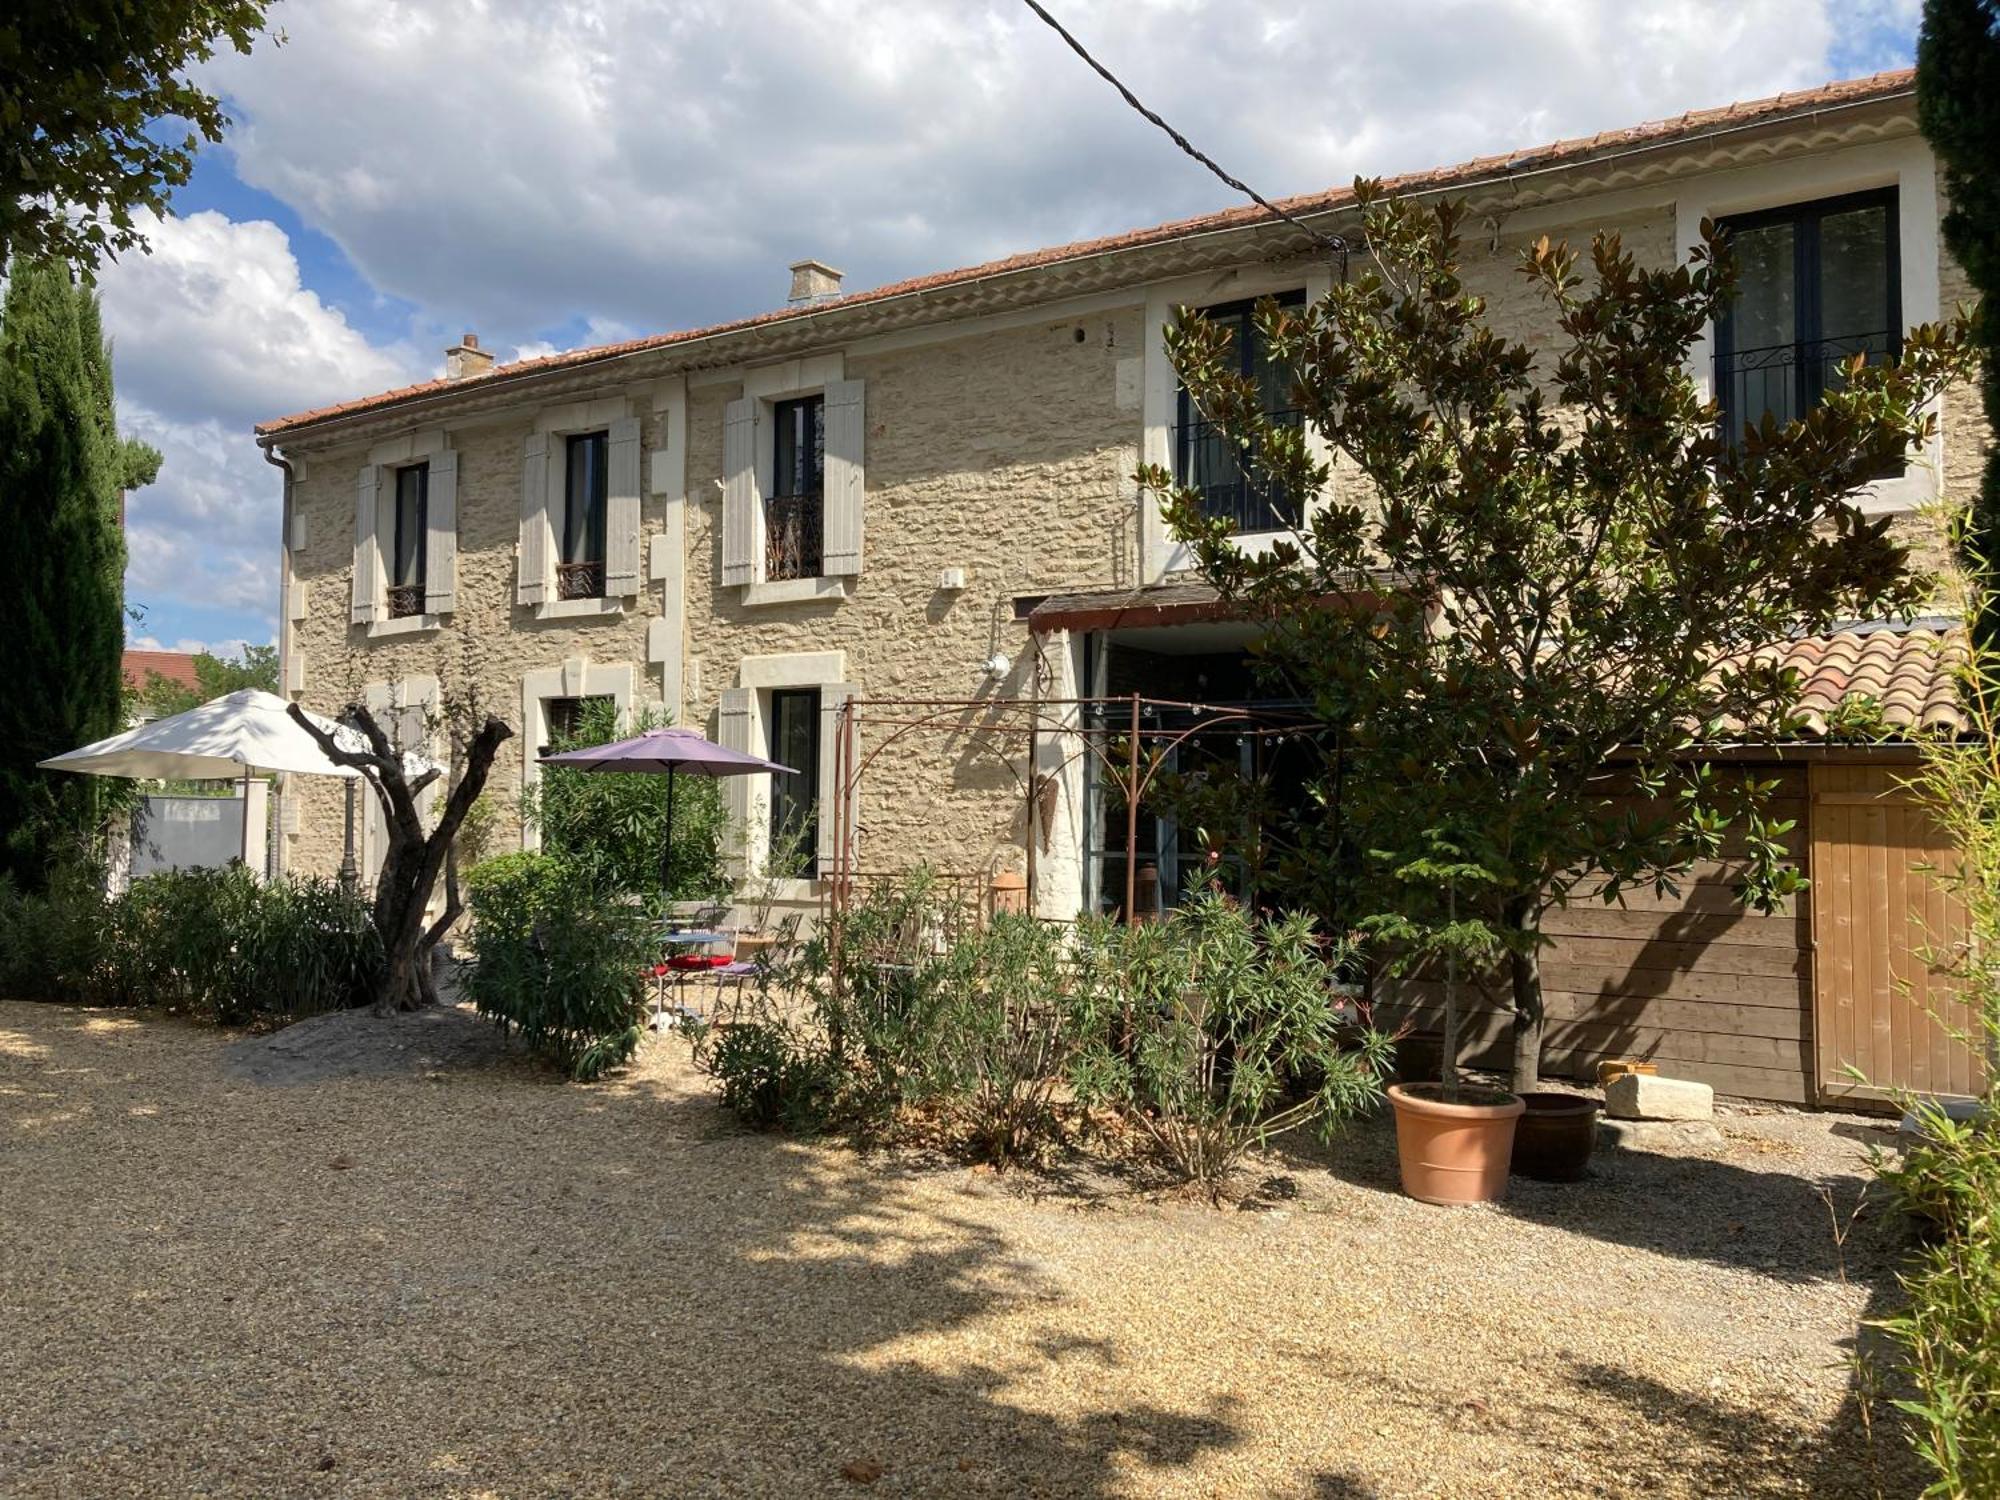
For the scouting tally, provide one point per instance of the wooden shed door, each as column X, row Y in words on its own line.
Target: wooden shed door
column 1876, row 916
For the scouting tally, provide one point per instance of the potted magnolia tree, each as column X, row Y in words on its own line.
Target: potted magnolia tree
column 1535, row 600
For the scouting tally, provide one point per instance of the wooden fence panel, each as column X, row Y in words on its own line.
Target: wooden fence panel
column 1880, row 920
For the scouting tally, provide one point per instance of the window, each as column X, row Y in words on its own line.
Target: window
column 564, row 718
column 794, row 510
column 580, row 563
column 406, row 557
column 794, row 799
column 1206, row 458
column 1817, row 284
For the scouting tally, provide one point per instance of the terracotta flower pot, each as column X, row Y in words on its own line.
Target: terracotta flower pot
column 1553, row 1139
column 1454, row 1153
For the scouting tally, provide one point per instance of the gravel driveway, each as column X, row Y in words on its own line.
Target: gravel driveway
column 467, row 1279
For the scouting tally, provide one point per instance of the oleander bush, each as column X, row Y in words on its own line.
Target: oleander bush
column 556, row 961
column 214, row 943
column 1224, row 1030
column 1209, row 1032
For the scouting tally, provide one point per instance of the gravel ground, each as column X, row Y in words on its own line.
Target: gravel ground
column 468, row 1279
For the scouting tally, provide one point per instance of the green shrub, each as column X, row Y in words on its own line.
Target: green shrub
column 1224, row 1031
column 556, row 961
column 611, row 826
column 1950, row 1331
column 214, row 943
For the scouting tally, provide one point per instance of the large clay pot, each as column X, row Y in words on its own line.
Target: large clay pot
column 1552, row 1141
column 1454, row 1153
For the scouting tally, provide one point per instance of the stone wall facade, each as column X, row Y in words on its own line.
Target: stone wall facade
column 1002, row 447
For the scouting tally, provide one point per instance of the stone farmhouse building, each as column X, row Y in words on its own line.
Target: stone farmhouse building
column 925, row 492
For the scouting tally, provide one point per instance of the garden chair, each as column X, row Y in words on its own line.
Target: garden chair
column 709, row 985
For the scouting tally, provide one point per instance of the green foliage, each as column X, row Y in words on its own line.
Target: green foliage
column 556, row 961
column 215, row 677
column 62, row 612
column 1225, row 1031
column 1958, row 108
column 1950, row 1179
column 217, row 944
column 611, row 826
column 1545, row 553
column 1209, row 1031
column 98, row 119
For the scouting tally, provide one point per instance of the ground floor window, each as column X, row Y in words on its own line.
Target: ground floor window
column 794, row 742
column 564, row 718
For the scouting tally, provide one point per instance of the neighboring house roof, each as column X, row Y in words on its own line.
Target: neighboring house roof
column 175, row 666
column 1655, row 133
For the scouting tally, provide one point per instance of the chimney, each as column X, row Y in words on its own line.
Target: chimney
column 813, row 281
column 466, row 358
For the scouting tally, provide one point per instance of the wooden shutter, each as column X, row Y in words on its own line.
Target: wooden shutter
column 531, row 584
column 845, row 428
column 441, row 535
column 621, row 510
column 832, row 698
column 732, row 732
column 367, row 555
column 739, row 493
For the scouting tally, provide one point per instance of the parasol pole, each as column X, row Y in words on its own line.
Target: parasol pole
column 667, row 835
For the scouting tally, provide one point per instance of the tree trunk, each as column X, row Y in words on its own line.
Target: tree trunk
column 1524, row 915
column 415, row 859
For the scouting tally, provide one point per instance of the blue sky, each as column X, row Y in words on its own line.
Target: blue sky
column 397, row 174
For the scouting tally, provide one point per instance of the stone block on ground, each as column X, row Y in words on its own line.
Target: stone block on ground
column 1642, row 1096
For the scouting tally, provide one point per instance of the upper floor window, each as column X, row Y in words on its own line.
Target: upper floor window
column 580, row 563
column 1816, row 284
column 407, row 545
column 794, row 511
column 1205, row 457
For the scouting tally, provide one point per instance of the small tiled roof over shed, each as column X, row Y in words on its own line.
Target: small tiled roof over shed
column 1907, row 674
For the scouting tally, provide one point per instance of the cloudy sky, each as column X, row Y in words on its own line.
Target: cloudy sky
column 555, row 173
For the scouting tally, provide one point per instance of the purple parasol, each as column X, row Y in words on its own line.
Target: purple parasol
column 669, row 751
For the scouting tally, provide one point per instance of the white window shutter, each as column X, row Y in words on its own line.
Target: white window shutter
column 732, row 732
column 846, row 426
column 739, row 493
column 441, row 536
column 532, row 579
column 832, row 698
column 367, row 554
column 621, row 510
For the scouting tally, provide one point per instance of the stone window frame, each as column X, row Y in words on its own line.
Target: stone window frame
column 1905, row 165
column 1160, row 555
column 425, row 445
column 574, row 677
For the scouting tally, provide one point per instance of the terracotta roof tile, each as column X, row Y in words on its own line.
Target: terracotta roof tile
column 1901, row 679
column 1656, row 132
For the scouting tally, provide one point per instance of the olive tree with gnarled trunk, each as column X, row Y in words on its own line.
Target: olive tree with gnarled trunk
column 415, row 857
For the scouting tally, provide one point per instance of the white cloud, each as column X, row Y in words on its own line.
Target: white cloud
column 512, row 165
column 209, row 333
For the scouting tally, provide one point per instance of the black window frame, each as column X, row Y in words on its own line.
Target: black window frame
column 1251, row 504
column 1807, row 359
column 405, row 586
column 585, row 528
column 795, row 509
column 802, row 788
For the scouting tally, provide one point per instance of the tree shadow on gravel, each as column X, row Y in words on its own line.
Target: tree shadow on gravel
column 473, row 1282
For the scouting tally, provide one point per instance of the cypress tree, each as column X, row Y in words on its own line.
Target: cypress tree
column 1958, row 108
column 62, row 625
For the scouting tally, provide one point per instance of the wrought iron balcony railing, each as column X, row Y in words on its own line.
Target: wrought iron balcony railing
column 405, row 600
column 1787, row 380
column 1227, row 475
column 580, row 580
column 792, row 536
